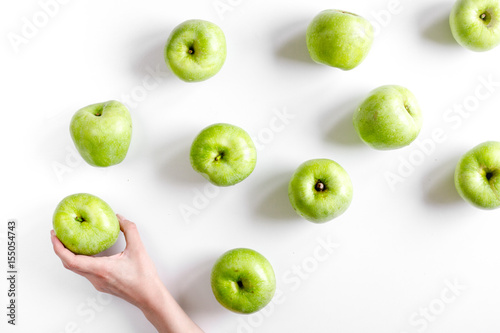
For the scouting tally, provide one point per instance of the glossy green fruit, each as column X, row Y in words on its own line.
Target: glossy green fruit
column 243, row 280
column 320, row 190
column 195, row 50
column 224, row 154
column 339, row 39
column 477, row 175
column 85, row 224
column 102, row 132
column 389, row 118
column 475, row 24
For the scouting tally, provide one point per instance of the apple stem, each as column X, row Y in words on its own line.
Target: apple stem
column 482, row 16
column 80, row 219
column 191, row 50
column 98, row 111
column 218, row 157
column 320, row 187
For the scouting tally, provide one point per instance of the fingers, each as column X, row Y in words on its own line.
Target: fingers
column 131, row 234
column 63, row 253
column 84, row 264
column 76, row 263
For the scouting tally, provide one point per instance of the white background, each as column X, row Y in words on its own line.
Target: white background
column 399, row 248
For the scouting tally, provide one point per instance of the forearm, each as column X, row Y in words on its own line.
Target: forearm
column 166, row 315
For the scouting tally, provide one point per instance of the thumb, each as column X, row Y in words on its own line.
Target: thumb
column 131, row 234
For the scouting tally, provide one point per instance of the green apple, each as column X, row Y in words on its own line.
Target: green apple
column 85, row 224
column 224, row 154
column 339, row 39
column 243, row 280
column 477, row 175
column 320, row 190
column 102, row 133
column 195, row 50
column 389, row 118
column 475, row 24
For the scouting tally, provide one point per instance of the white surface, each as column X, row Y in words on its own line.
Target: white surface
column 396, row 248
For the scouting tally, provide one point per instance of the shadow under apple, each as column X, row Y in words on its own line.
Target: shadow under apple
column 441, row 187
column 195, row 291
column 342, row 130
column 296, row 49
column 274, row 203
column 435, row 24
column 176, row 166
column 152, row 61
column 293, row 42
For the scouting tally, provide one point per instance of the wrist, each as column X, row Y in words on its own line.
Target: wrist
column 154, row 297
column 165, row 314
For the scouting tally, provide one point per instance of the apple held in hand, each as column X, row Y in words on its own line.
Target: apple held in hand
column 195, row 50
column 475, row 24
column 389, row 118
column 85, row 224
column 320, row 190
column 224, row 154
column 339, row 39
column 477, row 175
column 243, row 280
column 102, row 133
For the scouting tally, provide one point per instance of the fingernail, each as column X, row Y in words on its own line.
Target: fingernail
column 120, row 216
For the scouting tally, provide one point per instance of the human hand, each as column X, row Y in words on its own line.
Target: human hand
column 126, row 275
column 132, row 276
